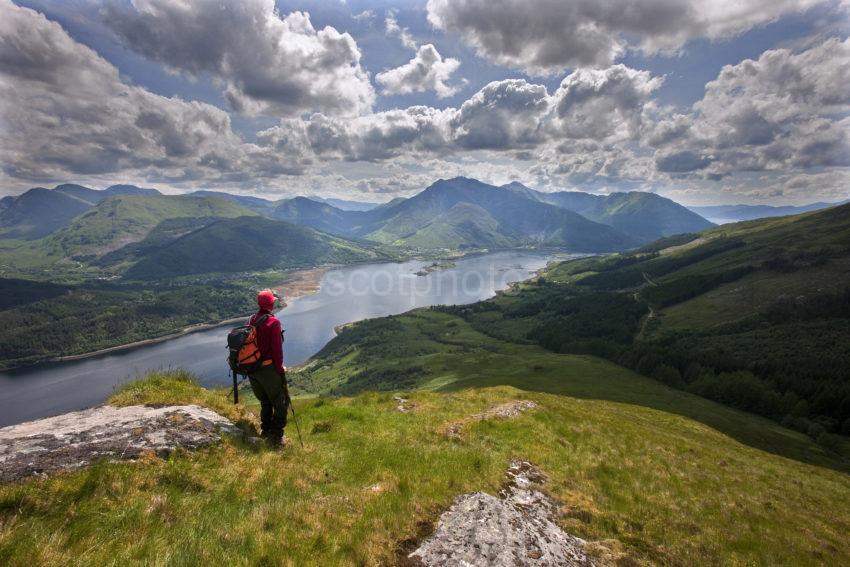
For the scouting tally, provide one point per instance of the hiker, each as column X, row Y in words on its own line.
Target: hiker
column 269, row 382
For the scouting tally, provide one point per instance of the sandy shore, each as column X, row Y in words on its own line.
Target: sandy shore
column 298, row 284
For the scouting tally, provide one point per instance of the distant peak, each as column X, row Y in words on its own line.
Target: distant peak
column 131, row 189
column 70, row 186
column 455, row 182
column 515, row 185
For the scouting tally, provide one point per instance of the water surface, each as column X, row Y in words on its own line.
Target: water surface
column 346, row 294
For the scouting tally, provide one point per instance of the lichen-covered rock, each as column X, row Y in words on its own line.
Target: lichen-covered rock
column 76, row 439
column 501, row 411
column 514, row 529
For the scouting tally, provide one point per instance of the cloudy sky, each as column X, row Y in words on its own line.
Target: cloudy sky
column 703, row 101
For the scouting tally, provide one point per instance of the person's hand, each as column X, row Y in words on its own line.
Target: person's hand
column 285, row 369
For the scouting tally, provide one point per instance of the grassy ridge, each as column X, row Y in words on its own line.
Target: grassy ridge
column 427, row 349
column 650, row 486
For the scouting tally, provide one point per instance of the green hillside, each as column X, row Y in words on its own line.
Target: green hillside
column 755, row 315
column 122, row 220
column 38, row 212
column 112, row 224
column 248, row 244
column 321, row 216
column 508, row 216
column 645, row 215
column 650, row 475
column 435, row 349
column 456, row 214
column 463, row 226
column 40, row 321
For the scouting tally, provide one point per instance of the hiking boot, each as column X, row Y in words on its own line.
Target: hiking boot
column 275, row 441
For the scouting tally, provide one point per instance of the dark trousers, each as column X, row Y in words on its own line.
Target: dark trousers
column 270, row 389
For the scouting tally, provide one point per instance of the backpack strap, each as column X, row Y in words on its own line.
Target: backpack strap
column 261, row 320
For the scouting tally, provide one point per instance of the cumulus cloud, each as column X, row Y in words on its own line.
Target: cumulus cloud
column 602, row 107
column 776, row 112
column 395, row 30
column 265, row 63
column 503, row 115
column 426, row 71
column 591, row 163
column 682, row 162
column 782, row 85
column 555, row 35
column 603, row 104
column 372, row 137
column 65, row 112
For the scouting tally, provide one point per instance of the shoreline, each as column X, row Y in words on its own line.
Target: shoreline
column 302, row 283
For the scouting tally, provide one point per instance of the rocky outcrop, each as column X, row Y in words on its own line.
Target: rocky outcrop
column 501, row 411
column 513, row 529
column 76, row 439
column 404, row 404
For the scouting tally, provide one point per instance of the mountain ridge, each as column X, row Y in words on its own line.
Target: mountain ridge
column 520, row 220
column 644, row 215
column 734, row 213
column 242, row 244
column 518, row 216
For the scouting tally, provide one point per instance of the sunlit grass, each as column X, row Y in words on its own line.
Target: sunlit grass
column 649, row 485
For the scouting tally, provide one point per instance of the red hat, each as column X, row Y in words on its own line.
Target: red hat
column 266, row 299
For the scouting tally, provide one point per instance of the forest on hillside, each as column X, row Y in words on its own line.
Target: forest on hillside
column 787, row 361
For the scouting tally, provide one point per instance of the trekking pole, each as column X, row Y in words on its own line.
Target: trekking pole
column 235, row 388
column 295, row 419
column 292, row 409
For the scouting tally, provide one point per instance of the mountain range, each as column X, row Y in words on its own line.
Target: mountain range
column 463, row 213
column 40, row 211
column 125, row 228
column 346, row 204
column 642, row 215
column 722, row 214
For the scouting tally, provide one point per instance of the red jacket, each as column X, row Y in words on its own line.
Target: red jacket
column 269, row 339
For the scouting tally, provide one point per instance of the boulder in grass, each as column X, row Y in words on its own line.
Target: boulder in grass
column 77, row 439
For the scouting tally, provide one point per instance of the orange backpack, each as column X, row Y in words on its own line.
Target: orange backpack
column 244, row 354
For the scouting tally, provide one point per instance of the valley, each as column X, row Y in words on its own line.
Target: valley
column 120, row 265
